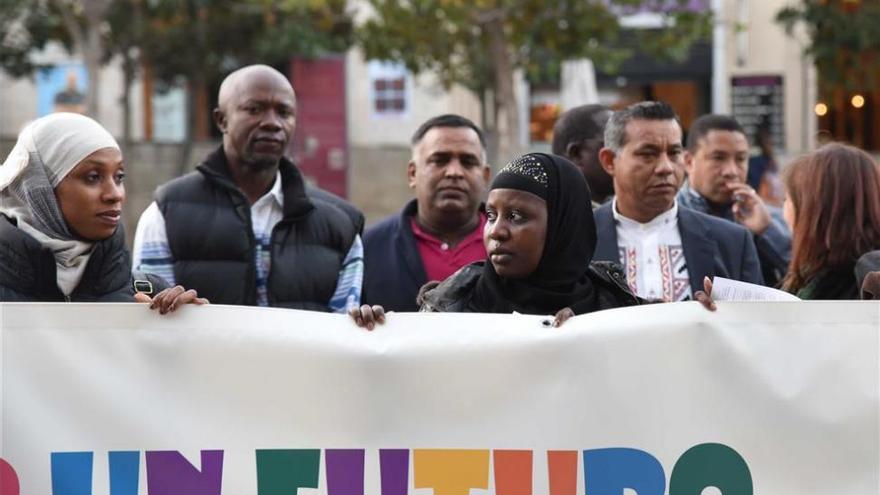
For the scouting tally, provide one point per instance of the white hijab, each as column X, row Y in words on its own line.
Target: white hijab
column 46, row 151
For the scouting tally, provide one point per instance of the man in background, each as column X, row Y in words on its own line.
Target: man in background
column 717, row 164
column 441, row 229
column 245, row 228
column 666, row 249
column 579, row 135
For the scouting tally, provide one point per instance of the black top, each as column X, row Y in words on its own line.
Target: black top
column 838, row 283
column 563, row 277
column 28, row 273
column 454, row 294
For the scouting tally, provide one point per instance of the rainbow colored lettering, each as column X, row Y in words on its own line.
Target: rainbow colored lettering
column 607, row 471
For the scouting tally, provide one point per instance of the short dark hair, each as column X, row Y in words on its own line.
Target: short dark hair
column 577, row 125
column 447, row 120
column 615, row 129
column 711, row 122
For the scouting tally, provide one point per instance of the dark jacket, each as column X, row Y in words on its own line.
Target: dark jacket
column 711, row 246
column 833, row 284
column 842, row 282
column 453, row 294
column 28, row 273
column 208, row 223
column 773, row 246
column 393, row 268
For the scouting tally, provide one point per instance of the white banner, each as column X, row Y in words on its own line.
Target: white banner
column 765, row 398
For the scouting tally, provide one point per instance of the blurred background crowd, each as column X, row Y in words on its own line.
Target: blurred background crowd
column 368, row 72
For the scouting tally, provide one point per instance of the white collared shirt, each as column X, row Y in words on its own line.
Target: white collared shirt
column 652, row 256
column 265, row 213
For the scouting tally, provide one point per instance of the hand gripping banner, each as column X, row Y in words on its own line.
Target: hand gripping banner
column 760, row 398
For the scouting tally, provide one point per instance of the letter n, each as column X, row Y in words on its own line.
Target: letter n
column 169, row 473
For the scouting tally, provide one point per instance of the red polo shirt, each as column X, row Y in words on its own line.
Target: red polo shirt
column 439, row 259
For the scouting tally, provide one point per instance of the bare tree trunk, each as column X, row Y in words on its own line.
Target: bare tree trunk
column 490, row 126
column 192, row 89
column 92, row 54
column 195, row 81
column 128, row 70
column 505, row 98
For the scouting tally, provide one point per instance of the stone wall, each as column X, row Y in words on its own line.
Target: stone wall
column 148, row 165
column 377, row 180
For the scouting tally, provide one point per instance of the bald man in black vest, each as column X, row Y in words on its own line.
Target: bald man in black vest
column 245, row 228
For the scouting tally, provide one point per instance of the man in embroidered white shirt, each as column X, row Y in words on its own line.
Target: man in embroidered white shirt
column 666, row 249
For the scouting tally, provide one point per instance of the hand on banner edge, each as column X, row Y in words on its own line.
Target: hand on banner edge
column 704, row 296
column 169, row 300
column 367, row 316
column 562, row 316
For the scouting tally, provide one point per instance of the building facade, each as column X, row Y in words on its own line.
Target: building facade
column 357, row 116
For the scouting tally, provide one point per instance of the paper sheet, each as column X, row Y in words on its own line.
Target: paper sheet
column 725, row 289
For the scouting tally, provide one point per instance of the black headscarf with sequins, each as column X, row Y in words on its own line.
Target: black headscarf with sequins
column 561, row 278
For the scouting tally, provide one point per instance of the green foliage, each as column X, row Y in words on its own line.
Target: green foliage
column 844, row 40
column 26, row 26
column 208, row 38
column 684, row 27
column 185, row 38
column 449, row 36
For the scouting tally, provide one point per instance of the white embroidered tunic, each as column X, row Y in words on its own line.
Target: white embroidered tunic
column 653, row 257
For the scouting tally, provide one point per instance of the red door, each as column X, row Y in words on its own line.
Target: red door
column 320, row 143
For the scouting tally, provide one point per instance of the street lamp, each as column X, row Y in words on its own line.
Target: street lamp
column 858, row 101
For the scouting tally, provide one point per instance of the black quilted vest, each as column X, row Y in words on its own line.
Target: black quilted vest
column 208, row 223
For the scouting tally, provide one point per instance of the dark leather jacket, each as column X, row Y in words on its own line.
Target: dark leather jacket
column 453, row 294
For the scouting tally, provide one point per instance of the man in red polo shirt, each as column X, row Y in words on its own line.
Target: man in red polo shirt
column 440, row 230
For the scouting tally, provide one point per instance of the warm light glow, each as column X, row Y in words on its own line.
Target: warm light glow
column 821, row 109
column 858, row 101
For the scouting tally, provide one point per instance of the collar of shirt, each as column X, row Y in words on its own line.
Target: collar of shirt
column 441, row 260
column 268, row 211
column 692, row 199
column 274, row 193
column 667, row 219
column 475, row 236
column 653, row 256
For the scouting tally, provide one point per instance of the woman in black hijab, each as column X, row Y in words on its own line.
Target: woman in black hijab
column 540, row 237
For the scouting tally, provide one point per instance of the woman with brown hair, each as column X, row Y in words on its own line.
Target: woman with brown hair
column 832, row 206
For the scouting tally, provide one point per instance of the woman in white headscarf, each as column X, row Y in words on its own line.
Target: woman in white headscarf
column 61, row 197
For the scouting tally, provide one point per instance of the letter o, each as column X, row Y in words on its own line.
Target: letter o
column 710, row 464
